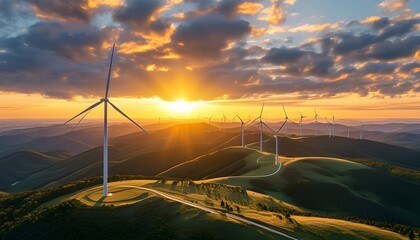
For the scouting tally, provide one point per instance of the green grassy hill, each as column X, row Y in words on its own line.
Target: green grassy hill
column 21, row 164
column 345, row 148
column 77, row 211
column 135, row 153
column 225, row 162
column 343, row 188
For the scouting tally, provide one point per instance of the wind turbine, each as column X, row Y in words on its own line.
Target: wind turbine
column 105, row 101
column 300, row 123
column 361, row 133
column 260, row 123
column 276, row 136
column 209, row 123
column 286, row 119
column 329, row 127
column 222, row 121
column 242, row 128
column 316, row 122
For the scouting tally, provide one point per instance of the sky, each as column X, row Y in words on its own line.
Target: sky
column 190, row 58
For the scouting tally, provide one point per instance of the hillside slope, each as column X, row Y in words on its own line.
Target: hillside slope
column 21, row 164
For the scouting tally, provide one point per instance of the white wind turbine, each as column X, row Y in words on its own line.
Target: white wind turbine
column 300, row 122
column 260, row 124
column 316, row 122
column 105, row 101
column 286, row 120
column 210, row 123
column 242, row 128
column 222, row 121
column 333, row 125
column 329, row 127
column 276, row 136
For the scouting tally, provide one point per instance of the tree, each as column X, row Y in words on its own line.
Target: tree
column 222, row 204
column 238, row 209
column 411, row 234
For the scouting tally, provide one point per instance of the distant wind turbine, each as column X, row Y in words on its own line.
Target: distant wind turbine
column 260, row 123
column 316, row 122
column 329, row 127
column 286, row 120
column 276, row 136
column 222, row 121
column 105, row 101
column 242, row 128
column 300, row 122
column 361, row 133
column 210, row 123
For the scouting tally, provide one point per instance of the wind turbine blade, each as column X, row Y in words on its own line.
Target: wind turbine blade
column 254, row 120
column 81, row 119
column 87, row 109
column 284, row 109
column 122, row 113
column 327, row 120
column 109, row 72
column 301, row 116
column 281, row 127
column 268, row 127
column 240, row 119
column 262, row 108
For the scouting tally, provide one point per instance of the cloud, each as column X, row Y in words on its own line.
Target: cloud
column 283, row 55
column 276, row 13
column 61, row 10
column 205, row 37
column 230, row 48
column 137, row 13
column 391, row 6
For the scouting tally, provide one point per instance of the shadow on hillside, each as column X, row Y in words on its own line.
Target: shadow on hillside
column 99, row 202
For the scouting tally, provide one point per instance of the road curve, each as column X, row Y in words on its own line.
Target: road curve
column 206, row 209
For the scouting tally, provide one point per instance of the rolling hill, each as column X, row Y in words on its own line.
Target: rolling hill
column 77, row 210
column 345, row 148
column 21, row 164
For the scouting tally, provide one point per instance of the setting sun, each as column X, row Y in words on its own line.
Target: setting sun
column 180, row 106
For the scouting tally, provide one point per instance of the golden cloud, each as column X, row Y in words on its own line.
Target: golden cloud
column 249, row 8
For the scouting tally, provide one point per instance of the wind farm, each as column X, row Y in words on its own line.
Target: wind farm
column 209, row 120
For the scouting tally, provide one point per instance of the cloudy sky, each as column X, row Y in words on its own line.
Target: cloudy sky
column 356, row 58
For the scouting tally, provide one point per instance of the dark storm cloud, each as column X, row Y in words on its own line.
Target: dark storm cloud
column 380, row 23
column 66, row 10
column 396, row 49
column 206, row 36
column 378, row 68
column 283, row 55
column 54, row 36
column 228, row 8
column 349, row 42
column 136, row 13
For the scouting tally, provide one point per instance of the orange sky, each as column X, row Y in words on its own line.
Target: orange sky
column 18, row 105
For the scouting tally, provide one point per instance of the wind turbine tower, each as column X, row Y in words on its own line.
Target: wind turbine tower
column 260, row 124
column 300, row 123
column 276, row 136
column 105, row 101
column 242, row 129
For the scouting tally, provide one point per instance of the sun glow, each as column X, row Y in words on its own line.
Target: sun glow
column 180, row 106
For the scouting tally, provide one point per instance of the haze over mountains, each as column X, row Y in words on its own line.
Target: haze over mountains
column 332, row 176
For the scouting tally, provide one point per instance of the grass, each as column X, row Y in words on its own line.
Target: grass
column 133, row 211
column 339, row 187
